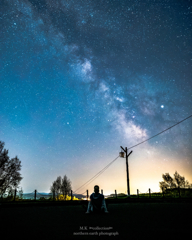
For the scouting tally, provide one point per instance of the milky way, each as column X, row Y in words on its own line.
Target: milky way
column 79, row 79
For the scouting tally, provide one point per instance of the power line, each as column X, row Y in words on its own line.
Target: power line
column 82, row 193
column 103, row 170
column 99, row 173
column 159, row 133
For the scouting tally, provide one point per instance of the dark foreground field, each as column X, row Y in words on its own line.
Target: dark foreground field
column 124, row 221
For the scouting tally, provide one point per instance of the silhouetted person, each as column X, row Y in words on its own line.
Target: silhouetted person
column 97, row 202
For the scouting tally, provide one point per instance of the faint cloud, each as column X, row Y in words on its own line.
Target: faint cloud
column 119, row 99
column 24, row 8
column 83, row 70
column 128, row 128
column 147, row 111
column 86, row 67
column 73, row 47
column 103, row 87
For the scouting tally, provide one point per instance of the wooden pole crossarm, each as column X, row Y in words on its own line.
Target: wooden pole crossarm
column 123, row 149
column 129, row 153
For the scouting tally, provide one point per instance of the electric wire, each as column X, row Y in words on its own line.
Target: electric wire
column 83, row 193
column 99, row 173
column 159, row 133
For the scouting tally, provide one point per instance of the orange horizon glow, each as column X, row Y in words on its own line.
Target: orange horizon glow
column 141, row 176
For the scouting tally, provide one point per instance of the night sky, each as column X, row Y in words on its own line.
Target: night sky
column 80, row 78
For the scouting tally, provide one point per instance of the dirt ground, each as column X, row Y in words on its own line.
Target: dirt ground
column 124, row 221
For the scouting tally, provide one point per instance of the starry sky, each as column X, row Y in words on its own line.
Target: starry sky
column 80, row 78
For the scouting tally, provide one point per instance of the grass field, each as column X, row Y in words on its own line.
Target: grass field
column 124, row 221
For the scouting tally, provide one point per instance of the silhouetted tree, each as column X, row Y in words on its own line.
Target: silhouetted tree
column 176, row 182
column 10, row 176
column 56, row 187
column 65, row 187
column 61, row 186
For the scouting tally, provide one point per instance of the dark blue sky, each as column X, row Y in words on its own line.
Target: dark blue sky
column 78, row 79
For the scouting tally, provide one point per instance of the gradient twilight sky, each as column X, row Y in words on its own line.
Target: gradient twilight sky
column 80, row 78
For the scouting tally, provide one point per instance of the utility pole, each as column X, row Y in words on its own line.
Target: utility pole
column 35, row 194
column 71, row 195
column 127, row 167
column 87, row 195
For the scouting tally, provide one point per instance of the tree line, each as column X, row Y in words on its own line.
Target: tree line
column 170, row 183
